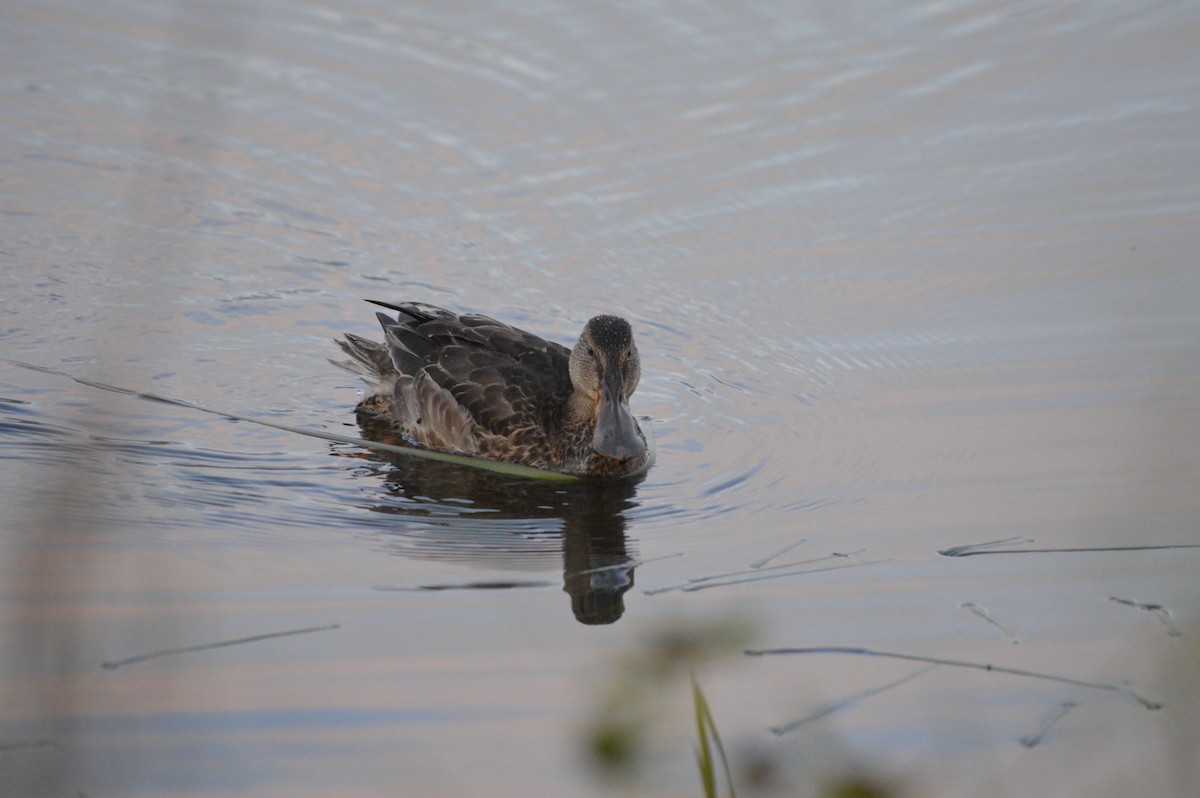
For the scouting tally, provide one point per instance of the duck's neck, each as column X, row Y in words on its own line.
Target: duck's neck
column 581, row 411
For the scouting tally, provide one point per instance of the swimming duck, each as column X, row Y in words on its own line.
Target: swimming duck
column 468, row 384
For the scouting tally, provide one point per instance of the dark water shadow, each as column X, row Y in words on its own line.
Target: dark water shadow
column 446, row 511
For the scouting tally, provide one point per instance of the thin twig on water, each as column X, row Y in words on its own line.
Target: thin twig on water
column 760, row 563
column 834, row 706
column 113, row 665
column 756, row 572
column 983, row 614
column 1035, row 737
column 982, row 666
column 974, row 549
column 1158, row 610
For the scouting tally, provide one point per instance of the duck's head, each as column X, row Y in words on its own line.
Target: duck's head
column 605, row 368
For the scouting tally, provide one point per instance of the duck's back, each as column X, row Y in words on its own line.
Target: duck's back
column 466, row 383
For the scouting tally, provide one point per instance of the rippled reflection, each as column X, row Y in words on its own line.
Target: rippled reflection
column 446, row 511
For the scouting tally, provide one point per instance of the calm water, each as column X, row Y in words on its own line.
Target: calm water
column 903, row 278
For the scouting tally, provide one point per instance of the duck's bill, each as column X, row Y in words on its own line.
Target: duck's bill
column 616, row 431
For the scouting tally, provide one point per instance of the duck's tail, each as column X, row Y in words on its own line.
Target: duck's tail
column 368, row 359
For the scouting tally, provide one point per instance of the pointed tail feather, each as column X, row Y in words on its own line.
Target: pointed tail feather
column 368, row 359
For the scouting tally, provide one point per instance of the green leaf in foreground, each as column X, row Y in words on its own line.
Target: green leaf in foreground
column 706, row 726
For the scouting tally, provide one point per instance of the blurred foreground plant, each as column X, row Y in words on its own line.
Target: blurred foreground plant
column 707, row 727
column 622, row 736
column 618, row 735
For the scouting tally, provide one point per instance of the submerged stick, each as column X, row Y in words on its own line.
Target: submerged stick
column 974, row 549
column 729, row 582
column 1158, row 610
column 760, row 563
column 755, row 572
column 113, row 665
column 628, row 565
column 830, row 708
column 967, row 549
column 981, row 666
column 1035, row 737
column 981, row 613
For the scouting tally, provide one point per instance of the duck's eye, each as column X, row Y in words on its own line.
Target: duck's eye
column 591, row 352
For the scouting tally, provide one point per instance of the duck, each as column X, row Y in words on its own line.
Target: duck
column 467, row 384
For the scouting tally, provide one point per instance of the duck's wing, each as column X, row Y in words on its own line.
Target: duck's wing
column 503, row 380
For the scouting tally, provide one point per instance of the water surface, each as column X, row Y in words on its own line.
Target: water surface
column 902, row 278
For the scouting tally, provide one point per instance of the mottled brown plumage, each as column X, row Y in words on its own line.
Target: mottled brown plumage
column 468, row 384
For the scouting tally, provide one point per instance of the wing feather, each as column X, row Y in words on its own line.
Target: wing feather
column 466, row 381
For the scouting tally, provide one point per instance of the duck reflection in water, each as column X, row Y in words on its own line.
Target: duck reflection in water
column 467, row 514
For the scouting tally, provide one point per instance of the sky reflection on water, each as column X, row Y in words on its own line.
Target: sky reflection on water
column 902, row 280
